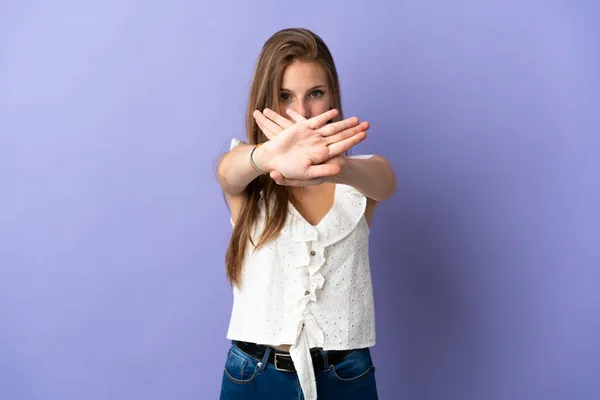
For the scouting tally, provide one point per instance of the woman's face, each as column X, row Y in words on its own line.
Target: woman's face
column 304, row 89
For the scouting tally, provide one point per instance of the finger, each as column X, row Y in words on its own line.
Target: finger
column 338, row 126
column 280, row 180
column 296, row 182
column 315, row 122
column 312, row 174
column 264, row 130
column 271, row 126
column 277, row 177
column 340, row 147
column 320, row 120
column 278, row 119
column 345, row 134
column 322, row 171
column 295, row 116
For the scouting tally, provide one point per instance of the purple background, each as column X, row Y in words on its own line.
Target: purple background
column 113, row 228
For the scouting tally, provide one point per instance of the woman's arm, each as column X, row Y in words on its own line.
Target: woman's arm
column 372, row 176
column 235, row 171
column 299, row 152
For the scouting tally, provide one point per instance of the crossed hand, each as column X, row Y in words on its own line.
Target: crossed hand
column 307, row 151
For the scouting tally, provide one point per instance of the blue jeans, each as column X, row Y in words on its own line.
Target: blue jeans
column 246, row 378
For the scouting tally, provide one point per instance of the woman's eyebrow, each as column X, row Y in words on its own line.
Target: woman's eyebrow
column 309, row 90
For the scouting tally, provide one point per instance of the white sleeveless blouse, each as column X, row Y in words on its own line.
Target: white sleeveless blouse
column 310, row 287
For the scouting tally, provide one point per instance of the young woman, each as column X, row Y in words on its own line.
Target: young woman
column 301, row 209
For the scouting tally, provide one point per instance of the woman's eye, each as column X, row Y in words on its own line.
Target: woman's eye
column 284, row 97
column 316, row 93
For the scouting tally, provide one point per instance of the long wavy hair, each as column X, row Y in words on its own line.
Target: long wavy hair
column 279, row 51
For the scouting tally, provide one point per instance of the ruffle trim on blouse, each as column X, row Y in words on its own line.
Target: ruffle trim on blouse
column 346, row 213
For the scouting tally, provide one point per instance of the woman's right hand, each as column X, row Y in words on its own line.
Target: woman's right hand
column 301, row 149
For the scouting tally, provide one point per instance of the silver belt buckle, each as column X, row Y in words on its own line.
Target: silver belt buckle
column 277, row 364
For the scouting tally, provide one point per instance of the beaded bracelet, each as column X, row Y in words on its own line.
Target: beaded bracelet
column 252, row 160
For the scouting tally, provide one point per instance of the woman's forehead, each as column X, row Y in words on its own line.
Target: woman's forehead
column 301, row 76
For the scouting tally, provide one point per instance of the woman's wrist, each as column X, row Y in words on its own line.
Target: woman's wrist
column 260, row 159
column 345, row 173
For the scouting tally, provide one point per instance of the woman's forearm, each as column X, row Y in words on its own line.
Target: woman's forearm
column 373, row 177
column 235, row 171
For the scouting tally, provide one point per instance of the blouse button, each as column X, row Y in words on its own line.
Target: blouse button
column 312, row 253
